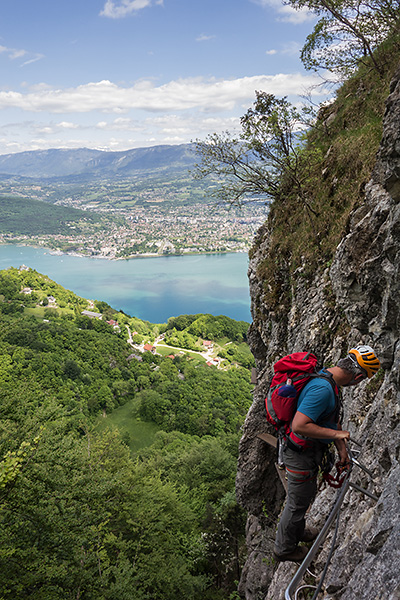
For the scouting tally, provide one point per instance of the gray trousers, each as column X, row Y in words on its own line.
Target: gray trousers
column 301, row 470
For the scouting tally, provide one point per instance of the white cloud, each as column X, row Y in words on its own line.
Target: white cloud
column 120, row 124
column 32, row 60
column 17, row 53
column 286, row 13
column 67, row 125
column 205, row 38
column 271, row 52
column 193, row 93
column 118, row 9
column 53, row 128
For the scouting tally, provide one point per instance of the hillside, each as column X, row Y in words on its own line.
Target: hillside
column 324, row 280
column 85, row 165
column 28, row 217
column 100, row 180
column 117, row 465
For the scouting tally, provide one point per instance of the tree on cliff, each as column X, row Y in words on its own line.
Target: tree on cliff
column 347, row 33
column 264, row 154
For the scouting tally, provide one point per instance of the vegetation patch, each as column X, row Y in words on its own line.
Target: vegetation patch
column 33, row 217
column 117, row 467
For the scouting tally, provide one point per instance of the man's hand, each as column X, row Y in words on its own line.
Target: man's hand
column 340, row 434
column 344, row 459
column 341, row 447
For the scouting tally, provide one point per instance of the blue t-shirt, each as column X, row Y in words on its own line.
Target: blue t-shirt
column 317, row 402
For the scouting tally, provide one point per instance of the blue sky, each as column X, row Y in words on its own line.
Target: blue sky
column 120, row 74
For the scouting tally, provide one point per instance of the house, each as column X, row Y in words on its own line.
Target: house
column 136, row 356
column 207, row 344
column 92, row 315
column 149, row 348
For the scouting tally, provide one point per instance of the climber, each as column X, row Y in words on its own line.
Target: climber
column 318, row 420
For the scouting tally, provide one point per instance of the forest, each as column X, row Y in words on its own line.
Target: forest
column 82, row 514
column 33, row 217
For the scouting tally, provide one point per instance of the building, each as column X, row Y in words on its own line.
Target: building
column 91, row 314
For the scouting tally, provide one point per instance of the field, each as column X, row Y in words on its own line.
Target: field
column 135, row 433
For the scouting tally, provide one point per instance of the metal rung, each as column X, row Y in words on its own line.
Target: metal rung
column 362, row 490
column 363, row 467
column 290, row 590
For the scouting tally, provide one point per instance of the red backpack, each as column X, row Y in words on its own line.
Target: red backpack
column 292, row 372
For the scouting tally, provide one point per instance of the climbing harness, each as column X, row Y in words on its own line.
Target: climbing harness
column 293, row 588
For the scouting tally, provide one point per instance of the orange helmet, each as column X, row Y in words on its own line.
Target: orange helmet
column 366, row 359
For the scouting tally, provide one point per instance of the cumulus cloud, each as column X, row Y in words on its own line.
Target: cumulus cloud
column 286, row 13
column 192, row 93
column 118, row 9
column 52, row 128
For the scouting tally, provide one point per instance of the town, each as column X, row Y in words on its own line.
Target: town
column 152, row 223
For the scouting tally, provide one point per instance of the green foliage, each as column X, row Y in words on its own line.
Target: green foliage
column 14, row 461
column 343, row 142
column 85, row 520
column 252, row 164
column 80, row 516
column 203, row 402
column 34, row 217
column 213, row 328
column 181, row 339
column 348, row 33
column 182, row 322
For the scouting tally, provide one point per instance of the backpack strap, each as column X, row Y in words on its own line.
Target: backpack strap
column 336, row 414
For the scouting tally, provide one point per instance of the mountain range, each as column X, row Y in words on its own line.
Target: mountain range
column 85, row 163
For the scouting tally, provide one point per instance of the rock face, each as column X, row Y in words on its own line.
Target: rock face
column 355, row 301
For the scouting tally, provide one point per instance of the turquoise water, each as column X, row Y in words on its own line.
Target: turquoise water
column 152, row 289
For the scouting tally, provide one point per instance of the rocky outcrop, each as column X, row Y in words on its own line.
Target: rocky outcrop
column 356, row 300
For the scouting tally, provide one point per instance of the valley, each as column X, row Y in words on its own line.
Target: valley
column 155, row 207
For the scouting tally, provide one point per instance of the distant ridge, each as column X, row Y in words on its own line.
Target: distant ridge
column 96, row 164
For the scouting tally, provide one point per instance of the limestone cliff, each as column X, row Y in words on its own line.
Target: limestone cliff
column 353, row 300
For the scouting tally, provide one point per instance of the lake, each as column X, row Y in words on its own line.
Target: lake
column 152, row 289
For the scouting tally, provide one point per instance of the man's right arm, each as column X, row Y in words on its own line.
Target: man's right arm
column 303, row 425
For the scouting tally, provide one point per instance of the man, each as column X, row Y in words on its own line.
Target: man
column 317, row 420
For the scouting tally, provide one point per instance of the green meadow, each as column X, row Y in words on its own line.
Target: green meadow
column 133, row 431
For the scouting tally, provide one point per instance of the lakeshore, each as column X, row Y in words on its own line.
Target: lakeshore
column 152, row 290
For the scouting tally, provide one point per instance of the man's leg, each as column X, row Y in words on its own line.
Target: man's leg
column 302, row 471
column 301, row 491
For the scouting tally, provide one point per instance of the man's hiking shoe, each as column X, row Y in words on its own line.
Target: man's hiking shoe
column 296, row 555
column 309, row 534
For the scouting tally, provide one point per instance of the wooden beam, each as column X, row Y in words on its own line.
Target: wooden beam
column 282, row 476
column 270, row 439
